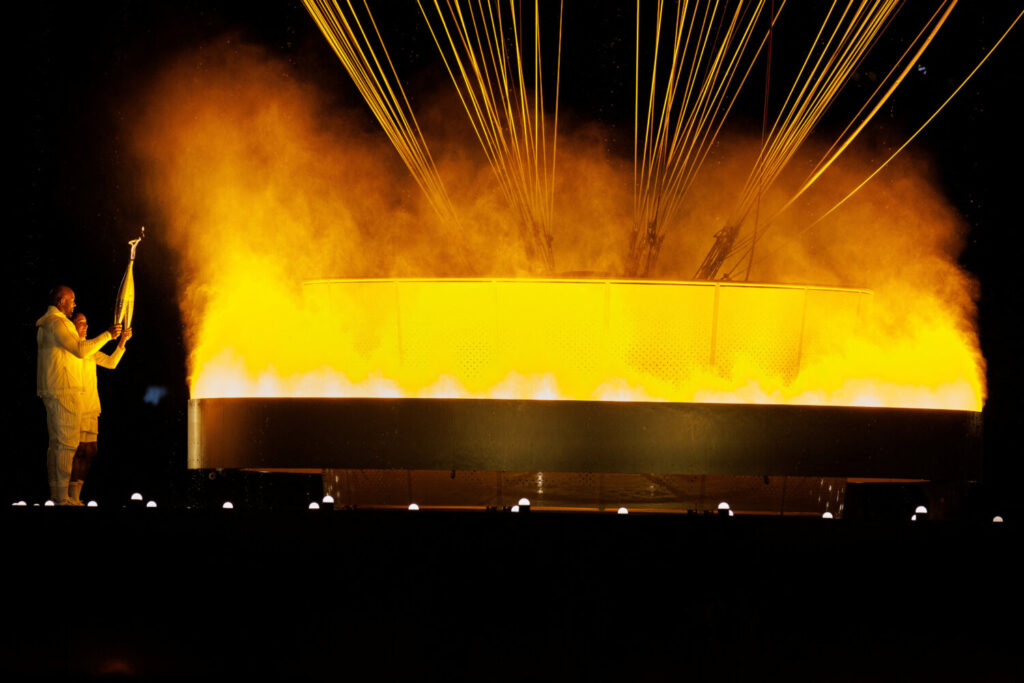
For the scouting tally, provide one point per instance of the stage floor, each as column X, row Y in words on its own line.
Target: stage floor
column 380, row 595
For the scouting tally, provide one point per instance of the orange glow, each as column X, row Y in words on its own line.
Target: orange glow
column 590, row 340
column 260, row 191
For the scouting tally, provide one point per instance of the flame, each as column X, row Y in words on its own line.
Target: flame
column 597, row 341
column 263, row 186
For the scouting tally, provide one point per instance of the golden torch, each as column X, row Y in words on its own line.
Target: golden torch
column 125, row 305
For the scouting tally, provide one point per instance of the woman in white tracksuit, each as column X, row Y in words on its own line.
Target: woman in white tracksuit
column 87, row 445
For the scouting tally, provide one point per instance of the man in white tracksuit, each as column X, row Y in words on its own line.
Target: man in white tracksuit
column 87, row 446
column 59, row 384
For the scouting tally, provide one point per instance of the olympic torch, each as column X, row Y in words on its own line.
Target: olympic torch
column 125, row 305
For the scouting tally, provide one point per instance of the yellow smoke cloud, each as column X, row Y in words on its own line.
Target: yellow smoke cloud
column 259, row 185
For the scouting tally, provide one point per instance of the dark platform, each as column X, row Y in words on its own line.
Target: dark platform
column 383, row 595
column 584, row 436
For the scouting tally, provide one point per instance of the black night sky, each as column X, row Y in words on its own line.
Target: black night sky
column 76, row 70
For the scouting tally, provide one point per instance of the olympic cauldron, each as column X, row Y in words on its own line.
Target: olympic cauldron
column 623, row 357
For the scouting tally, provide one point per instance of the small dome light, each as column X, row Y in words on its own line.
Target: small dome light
column 92, row 504
column 328, row 500
column 314, row 505
column 731, row 513
column 827, row 515
column 228, row 505
column 22, row 503
column 515, row 508
column 920, row 510
column 414, row 506
column 136, row 496
column 913, row 518
column 723, row 505
column 524, row 502
column 997, row 519
column 48, row 504
column 151, row 504
column 623, row 510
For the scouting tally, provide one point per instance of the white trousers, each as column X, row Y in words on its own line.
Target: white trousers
column 64, row 425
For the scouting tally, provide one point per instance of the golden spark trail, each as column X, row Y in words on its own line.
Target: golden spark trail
column 508, row 121
column 919, row 45
column 692, row 107
column 892, row 88
column 382, row 90
column 885, row 163
column 810, row 95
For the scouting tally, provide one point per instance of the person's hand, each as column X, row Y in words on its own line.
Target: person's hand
column 125, row 337
column 115, row 331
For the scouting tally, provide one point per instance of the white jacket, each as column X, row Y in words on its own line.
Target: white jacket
column 60, row 354
column 91, row 398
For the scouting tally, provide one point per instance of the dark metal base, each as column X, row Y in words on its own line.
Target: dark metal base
column 487, row 435
column 586, row 491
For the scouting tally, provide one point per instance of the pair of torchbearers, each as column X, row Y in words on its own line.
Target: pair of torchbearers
column 66, row 381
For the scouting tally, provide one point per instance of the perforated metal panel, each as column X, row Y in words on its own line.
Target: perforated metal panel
column 373, row 345
column 828, row 317
column 665, row 333
column 579, row 333
column 443, row 334
column 562, row 329
column 759, row 330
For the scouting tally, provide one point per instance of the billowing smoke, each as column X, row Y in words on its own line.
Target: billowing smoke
column 259, row 184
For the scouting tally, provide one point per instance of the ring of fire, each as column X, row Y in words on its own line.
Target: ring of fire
column 666, row 351
column 615, row 340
